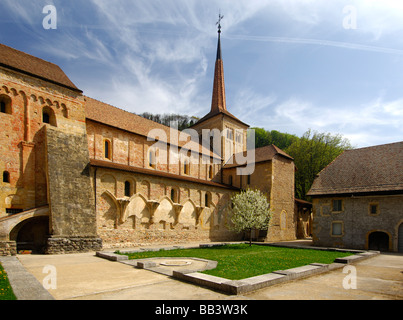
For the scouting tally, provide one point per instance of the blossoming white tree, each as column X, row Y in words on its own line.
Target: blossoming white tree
column 250, row 210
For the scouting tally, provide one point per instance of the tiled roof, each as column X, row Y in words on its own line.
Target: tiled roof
column 261, row 154
column 122, row 167
column 366, row 170
column 22, row 62
column 104, row 113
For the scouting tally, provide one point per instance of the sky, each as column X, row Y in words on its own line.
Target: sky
column 333, row 66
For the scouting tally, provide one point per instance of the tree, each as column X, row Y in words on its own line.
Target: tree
column 250, row 210
column 312, row 153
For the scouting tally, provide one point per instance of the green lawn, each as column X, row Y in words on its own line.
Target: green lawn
column 242, row 261
column 6, row 292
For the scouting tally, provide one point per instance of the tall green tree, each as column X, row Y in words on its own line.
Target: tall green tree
column 312, row 153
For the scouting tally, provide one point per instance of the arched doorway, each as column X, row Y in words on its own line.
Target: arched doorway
column 31, row 234
column 400, row 239
column 378, row 241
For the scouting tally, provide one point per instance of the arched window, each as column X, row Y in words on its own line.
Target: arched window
column 6, row 177
column 128, row 187
column 186, row 166
column 48, row 116
column 107, row 149
column 207, row 199
column 210, row 172
column 152, row 158
column 174, row 195
column 5, row 104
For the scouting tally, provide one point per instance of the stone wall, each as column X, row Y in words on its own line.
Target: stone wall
column 132, row 149
column 283, row 224
column 8, row 248
column 71, row 202
column 150, row 215
column 22, row 150
column 72, row 245
column 356, row 220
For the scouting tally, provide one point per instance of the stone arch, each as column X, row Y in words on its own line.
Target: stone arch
column 165, row 214
column 138, row 209
column 206, row 218
column 188, row 216
column 5, row 88
column 31, row 234
column 65, row 111
column 216, row 216
column 379, row 240
column 108, row 210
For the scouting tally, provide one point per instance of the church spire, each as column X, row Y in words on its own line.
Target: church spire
column 218, row 103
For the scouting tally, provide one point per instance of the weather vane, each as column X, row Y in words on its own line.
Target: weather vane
column 220, row 17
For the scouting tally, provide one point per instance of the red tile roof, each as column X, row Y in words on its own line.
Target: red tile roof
column 22, row 62
column 366, row 170
column 104, row 113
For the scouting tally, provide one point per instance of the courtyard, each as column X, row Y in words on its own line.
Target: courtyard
column 87, row 277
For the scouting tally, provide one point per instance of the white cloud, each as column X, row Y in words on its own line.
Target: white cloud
column 368, row 124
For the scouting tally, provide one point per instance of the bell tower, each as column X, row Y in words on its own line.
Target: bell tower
column 232, row 130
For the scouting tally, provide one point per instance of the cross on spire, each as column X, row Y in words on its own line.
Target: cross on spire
column 220, row 17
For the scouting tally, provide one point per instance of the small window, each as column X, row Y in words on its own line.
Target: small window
column 6, row 177
column 230, row 180
column 337, row 205
column 239, row 137
column 207, row 200
column 48, row 116
column 45, row 117
column 186, row 166
column 373, row 209
column 174, row 195
column 210, row 172
column 337, row 228
column 128, row 188
column 5, row 104
column 152, row 158
column 2, row 107
column 107, row 150
column 230, row 134
column 248, row 179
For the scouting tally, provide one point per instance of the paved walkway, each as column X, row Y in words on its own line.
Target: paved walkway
column 85, row 276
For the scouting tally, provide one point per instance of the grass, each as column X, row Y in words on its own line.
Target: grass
column 241, row 261
column 6, row 292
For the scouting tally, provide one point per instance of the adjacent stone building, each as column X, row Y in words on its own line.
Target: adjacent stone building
column 358, row 200
column 79, row 174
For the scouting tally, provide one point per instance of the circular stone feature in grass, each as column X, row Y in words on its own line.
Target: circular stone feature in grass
column 175, row 263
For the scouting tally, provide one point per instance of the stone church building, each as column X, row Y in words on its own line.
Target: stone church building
column 79, row 174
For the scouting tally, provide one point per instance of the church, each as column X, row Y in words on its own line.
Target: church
column 81, row 175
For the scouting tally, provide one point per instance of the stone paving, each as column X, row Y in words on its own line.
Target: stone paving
column 88, row 277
